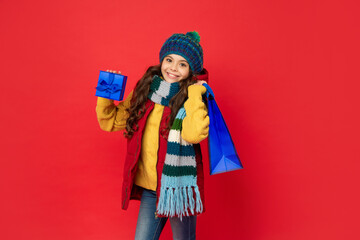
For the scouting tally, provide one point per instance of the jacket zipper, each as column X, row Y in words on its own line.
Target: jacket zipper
column 126, row 189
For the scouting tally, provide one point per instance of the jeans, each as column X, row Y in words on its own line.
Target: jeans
column 149, row 226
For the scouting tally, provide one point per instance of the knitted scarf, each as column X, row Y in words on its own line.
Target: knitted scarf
column 179, row 178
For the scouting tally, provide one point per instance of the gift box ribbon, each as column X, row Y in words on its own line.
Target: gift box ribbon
column 110, row 88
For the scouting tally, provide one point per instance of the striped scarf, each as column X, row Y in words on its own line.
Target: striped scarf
column 179, row 192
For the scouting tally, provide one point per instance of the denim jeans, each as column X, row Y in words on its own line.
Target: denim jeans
column 149, row 226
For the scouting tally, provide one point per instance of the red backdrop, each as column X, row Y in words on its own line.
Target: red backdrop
column 285, row 74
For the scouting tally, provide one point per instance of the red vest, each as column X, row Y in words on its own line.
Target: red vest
column 132, row 191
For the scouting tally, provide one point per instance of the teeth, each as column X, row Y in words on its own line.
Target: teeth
column 172, row 75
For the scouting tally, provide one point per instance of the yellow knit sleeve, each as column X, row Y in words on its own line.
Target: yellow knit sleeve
column 112, row 117
column 195, row 126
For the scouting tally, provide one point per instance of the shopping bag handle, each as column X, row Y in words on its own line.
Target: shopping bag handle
column 209, row 91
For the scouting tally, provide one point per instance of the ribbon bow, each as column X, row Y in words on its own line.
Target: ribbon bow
column 110, row 88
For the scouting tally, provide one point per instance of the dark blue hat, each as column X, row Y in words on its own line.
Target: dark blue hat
column 186, row 45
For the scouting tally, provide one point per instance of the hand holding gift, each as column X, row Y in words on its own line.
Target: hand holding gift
column 111, row 85
column 113, row 71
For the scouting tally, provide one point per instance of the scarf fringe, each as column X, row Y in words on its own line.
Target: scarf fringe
column 176, row 201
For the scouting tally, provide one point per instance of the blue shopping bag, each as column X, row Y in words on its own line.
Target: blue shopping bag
column 222, row 152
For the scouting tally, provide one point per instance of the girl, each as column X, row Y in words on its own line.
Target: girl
column 164, row 119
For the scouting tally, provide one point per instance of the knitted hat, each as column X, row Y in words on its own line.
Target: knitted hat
column 186, row 45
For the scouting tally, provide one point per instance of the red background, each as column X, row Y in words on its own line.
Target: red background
column 285, row 74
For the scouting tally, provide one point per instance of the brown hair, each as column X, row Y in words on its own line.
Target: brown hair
column 140, row 96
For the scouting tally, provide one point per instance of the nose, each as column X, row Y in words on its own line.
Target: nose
column 173, row 66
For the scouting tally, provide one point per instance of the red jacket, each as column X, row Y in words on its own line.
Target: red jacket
column 132, row 191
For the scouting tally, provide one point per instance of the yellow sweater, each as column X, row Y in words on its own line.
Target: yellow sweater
column 195, row 129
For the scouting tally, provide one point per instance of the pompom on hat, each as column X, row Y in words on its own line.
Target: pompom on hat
column 186, row 45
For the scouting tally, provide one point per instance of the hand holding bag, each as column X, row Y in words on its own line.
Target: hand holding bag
column 222, row 152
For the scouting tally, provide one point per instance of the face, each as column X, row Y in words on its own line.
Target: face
column 175, row 68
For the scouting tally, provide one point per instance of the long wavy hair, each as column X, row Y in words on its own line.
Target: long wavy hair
column 140, row 96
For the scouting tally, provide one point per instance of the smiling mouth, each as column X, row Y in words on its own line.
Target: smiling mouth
column 172, row 75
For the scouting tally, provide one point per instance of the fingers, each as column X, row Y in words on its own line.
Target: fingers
column 200, row 82
column 113, row 71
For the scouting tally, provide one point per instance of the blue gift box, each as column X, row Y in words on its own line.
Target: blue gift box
column 111, row 85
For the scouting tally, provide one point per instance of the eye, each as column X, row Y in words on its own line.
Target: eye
column 168, row 59
column 183, row 65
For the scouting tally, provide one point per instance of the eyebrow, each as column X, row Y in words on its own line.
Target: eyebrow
column 180, row 60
